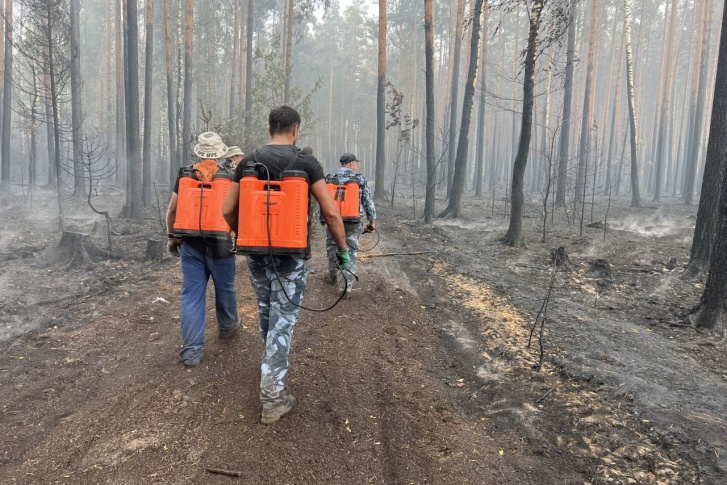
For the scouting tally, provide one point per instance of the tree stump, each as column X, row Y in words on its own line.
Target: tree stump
column 155, row 249
column 560, row 259
column 599, row 268
column 75, row 249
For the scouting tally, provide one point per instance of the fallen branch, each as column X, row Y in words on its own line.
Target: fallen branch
column 544, row 313
column 542, row 398
column 382, row 255
column 222, row 471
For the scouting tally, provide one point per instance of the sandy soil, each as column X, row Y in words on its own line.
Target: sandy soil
column 423, row 376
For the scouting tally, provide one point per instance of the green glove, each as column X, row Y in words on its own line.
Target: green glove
column 344, row 259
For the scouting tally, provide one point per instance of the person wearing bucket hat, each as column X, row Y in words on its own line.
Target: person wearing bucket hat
column 348, row 173
column 201, row 257
column 278, row 305
column 233, row 156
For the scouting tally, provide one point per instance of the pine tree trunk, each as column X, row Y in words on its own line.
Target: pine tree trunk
column 713, row 305
column 148, row 90
column 134, row 191
column 288, row 49
column 248, row 69
column 429, row 88
column 171, row 108
column 187, row 110
column 514, row 236
column 235, row 57
column 587, row 119
column 120, row 100
column 635, row 195
column 458, row 181
column 567, row 101
column 7, row 99
column 454, row 94
column 665, row 113
column 379, row 189
column 56, row 114
column 50, row 142
column 480, row 158
column 697, row 107
column 79, row 183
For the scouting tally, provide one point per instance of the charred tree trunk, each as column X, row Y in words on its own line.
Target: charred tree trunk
column 480, row 160
column 50, row 142
column 567, row 101
column 79, row 179
column 697, row 108
column 288, row 49
column 514, row 235
column 665, row 112
column 148, row 84
column 587, row 120
column 458, row 181
column 120, row 100
column 380, row 107
column 712, row 312
column 248, row 68
column 453, row 95
column 134, row 192
column 429, row 88
column 235, row 57
column 171, row 108
column 187, row 111
column 612, row 147
column 635, row 195
column 56, row 114
column 7, row 99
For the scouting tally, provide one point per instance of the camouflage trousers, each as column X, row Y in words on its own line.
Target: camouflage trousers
column 277, row 316
column 353, row 232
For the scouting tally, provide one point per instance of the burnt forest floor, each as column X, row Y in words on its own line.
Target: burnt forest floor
column 423, row 376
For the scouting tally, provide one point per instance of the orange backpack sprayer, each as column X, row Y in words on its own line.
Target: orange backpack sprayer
column 201, row 193
column 273, row 218
column 346, row 197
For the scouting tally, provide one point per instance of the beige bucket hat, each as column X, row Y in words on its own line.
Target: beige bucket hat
column 210, row 146
column 232, row 151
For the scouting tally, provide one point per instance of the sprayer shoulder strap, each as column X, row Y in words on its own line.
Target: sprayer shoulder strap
column 292, row 161
column 290, row 164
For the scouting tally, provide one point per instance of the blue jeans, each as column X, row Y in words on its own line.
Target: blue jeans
column 196, row 271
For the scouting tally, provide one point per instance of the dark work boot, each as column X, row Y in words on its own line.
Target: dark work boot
column 272, row 412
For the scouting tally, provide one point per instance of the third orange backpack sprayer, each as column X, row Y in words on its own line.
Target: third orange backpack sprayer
column 346, row 197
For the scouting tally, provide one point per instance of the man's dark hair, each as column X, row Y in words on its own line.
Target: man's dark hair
column 282, row 119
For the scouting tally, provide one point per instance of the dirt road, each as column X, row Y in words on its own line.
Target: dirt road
column 421, row 377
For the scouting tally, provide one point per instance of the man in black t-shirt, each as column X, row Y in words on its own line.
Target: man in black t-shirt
column 277, row 312
column 203, row 257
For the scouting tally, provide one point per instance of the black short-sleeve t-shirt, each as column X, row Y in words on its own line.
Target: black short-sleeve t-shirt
column 277, row 158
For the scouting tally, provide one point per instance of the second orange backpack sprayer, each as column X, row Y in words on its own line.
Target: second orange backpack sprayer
column 273, row 217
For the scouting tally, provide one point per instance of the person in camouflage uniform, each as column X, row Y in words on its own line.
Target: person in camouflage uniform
column 348, row 172
column 279, row 281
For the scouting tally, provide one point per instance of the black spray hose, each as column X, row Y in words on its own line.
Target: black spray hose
column 378, row 240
